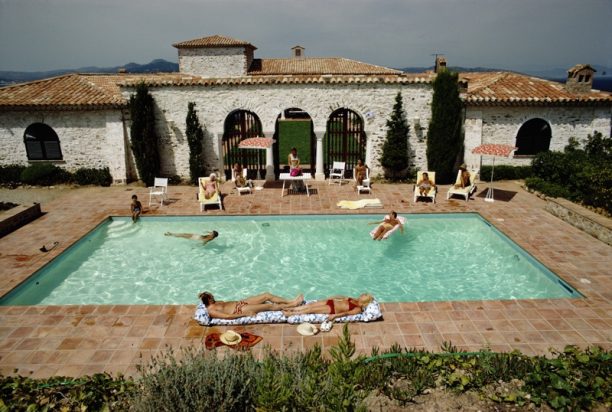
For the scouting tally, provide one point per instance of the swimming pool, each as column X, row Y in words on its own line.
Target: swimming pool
column 440, row 257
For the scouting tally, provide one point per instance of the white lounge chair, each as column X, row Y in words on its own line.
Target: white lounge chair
column 336, row 173
column 245, row 189
column 158, row 190
column 466, row 192
column 214, row 200
column 365, row 183
column 432, row 192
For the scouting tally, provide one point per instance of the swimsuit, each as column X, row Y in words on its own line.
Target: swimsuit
column 239, row 305
column 352, row 304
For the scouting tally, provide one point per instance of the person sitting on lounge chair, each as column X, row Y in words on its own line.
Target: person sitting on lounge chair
column 210, row 187
column 240, row 180
column 465, row 177
column 425, row 185
column 192, row 236
column 386, row 225
column 249, row 306
column 335, row 306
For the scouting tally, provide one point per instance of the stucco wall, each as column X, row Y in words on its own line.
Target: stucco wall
column 501, row 125
column 213, row 62
column 373, row 103
column 92, row 139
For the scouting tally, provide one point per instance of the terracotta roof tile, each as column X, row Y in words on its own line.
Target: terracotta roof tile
column 505, row 88
column 69, row 92
column 213, row 41
column 315, row 65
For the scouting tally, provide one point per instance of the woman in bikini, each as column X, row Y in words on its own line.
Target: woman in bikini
column 210, row 187
column 386, row 225
column 335, row 306
column 360, row 172
column 249, row 306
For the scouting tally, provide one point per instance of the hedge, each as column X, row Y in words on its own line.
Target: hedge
column 44, row 174
column 47, row 174
column 99, row 177
column 11, row 175
column 504, row 172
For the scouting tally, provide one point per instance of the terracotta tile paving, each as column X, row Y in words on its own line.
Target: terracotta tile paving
column 77, row 340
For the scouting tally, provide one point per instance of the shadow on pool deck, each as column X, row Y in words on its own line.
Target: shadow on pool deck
column 76, row 340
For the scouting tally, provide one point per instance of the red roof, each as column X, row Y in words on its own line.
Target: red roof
column 315, row 65
column 506, row 88
column 213, row 41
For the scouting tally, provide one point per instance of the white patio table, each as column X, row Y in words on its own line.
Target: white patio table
column 286, row 176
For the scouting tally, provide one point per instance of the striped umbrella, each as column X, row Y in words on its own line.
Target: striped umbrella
column 489, row 149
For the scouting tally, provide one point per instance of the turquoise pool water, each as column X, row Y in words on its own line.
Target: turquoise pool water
column 440, row 257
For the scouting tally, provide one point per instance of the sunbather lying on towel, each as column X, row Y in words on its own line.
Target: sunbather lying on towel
column 335, row 306
column 385, row 225
column 249, row 306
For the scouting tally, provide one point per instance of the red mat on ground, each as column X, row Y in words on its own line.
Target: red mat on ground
column 213, row 341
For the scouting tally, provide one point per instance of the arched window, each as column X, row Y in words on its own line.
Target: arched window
column 42, row 143
column 345, row 139
column 240, row 125
column 533, row 137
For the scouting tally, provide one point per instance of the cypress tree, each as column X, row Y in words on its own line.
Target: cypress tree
column 143, row 135
column 195, row 137
column 445, row 137
column 395, row 150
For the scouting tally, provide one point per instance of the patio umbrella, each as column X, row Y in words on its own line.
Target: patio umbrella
column 257, row 143
column 495, row 150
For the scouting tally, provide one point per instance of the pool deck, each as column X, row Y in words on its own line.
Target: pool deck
column 79, row 340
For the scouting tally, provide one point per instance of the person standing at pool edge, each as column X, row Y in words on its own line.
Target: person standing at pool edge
column 135, row 208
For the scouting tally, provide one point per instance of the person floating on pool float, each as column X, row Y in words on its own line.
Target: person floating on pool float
column 425, row 185
column 135, row 208
column 385, row 225
column 192, row 236
column 334, row 306
column 249, row 306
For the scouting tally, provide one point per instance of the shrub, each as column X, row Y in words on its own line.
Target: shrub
column 143, row 134
column 547, row 188
column 99, row 177
column 445, row 136
column 195, row 137
column 44, row 174
column 395, row 150
column 175, row 180
column 504, row 172
column 11, row 175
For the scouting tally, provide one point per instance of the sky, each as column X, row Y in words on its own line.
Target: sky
column 39, row 35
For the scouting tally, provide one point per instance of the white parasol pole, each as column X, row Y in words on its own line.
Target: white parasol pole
column 489, row 196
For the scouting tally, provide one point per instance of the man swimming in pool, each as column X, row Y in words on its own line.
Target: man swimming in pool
column 335, row 306
column 385, row 225
column 249, row 306
column 192, row 236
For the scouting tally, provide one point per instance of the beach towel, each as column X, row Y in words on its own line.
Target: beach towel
column 213, row 340
column 359, row 204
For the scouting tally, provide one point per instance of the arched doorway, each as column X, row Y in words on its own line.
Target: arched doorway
column 345, row 139
column 294, row 128
column 533, row 137
column 41, row 142
column 240, row 125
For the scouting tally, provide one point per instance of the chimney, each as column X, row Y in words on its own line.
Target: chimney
column 580, row 79
column 440, row 63
column 297, row 52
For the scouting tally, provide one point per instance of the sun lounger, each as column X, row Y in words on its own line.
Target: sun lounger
column 466, row 192
column 371, row 312
column 402, row 220
column 432, row 192
column 359, row 204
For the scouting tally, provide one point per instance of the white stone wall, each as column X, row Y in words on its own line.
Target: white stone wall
column 500, row 124
column 214, row 61
column 91, row 139
column 373, row 103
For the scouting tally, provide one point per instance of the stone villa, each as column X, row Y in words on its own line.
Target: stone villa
column 82, row 120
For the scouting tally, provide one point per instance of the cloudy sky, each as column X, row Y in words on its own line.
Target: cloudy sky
column 510, row 34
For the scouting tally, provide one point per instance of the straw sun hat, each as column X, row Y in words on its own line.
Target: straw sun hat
column 307, row 329
column 230, row 338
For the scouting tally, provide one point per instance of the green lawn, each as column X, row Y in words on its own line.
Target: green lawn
column 294, row 133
